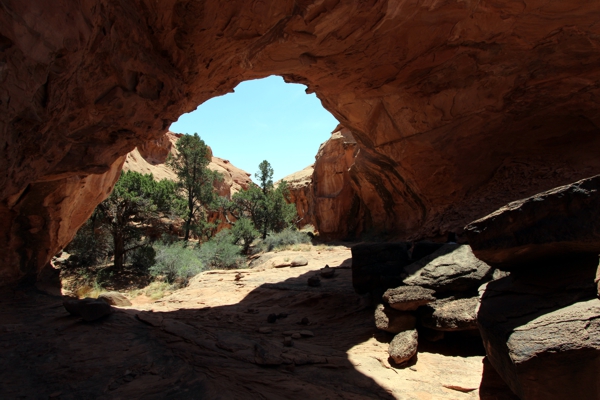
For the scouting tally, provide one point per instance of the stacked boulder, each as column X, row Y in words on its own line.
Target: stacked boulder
column 541, row 324
column 434, row 290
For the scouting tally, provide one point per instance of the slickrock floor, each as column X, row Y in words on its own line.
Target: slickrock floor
column 203, row 342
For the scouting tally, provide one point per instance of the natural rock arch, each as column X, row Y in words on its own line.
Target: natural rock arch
column 457, row 106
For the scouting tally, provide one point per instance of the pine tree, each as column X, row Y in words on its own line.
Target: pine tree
column 265, row 205
column 195, row 179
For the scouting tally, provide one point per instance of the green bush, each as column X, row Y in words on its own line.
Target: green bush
column 220, row 252
column 286, row 237
column 90, row 246
column 143, row 257
column 244, row 233
column 176, row 263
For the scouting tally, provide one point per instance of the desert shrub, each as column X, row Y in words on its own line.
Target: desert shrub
column 220, row 252
column 89, row 246
column 286, row 237
column 143, row 257
column 176, row 262
column 244, row 233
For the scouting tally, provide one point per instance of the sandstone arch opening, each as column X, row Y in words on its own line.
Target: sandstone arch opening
column 263, row 119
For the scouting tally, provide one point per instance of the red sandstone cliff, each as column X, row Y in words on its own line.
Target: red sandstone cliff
column 301, row 194
column 457, row 107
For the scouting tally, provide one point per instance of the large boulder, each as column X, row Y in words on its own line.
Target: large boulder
column 541, row 332
column 452, row 267
column 407, row 298
column 378, row 266
column 393, row 321
column 547, row 226
column 451, row 315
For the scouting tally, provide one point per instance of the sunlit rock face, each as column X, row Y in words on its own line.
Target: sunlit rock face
column 467, row 104
column 300, row 193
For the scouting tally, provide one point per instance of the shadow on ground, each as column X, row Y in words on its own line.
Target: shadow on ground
column 189, row 353
column 186, row 349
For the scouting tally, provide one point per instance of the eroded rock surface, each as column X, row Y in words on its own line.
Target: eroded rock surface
column 450, row 103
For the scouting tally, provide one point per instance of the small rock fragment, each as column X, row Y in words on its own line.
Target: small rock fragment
column 282, row 315
column 314, row 281
column 288, row 342
column 304, row 321
column 306, row 333
column 404, row 346
column 265, row 329
column 296, row 335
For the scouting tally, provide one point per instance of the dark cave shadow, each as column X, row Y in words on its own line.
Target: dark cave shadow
column 211, row 356
column 492, row 385
column 455, row 344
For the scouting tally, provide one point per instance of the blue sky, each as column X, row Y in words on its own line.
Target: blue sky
column 264, row 119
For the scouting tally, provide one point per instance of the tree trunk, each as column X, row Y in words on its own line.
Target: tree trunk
column 119, row 244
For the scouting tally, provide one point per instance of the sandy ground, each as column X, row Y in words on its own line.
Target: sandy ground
column 205, row 342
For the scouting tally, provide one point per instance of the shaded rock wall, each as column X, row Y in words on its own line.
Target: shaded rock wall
column 458, row 100
column 337, row 209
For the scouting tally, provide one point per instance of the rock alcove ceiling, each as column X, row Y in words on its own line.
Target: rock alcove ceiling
column 457, row 107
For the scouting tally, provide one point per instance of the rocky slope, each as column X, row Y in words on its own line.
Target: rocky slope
column 450, row 102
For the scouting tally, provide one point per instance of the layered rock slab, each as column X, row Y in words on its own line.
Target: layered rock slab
column 564, row 220
column 452, row 267
column 408, row 298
